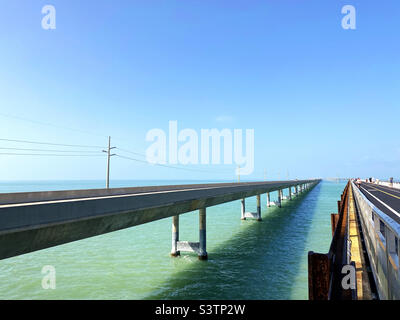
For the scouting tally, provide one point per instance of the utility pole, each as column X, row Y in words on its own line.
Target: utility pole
column 238, row 168
column 109, row 155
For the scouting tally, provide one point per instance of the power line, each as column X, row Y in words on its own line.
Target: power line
column 51, row 154
column 81, row 146
column 88, row 155
column 49, row 150
column 163, row 165
column 146, row 162
column 65, row 128
column 49, row 124
column 169, row 166
column 58, row 126
column 132, row 152
column 50, row 143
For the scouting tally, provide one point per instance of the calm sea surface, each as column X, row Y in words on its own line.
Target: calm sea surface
column 247, row 259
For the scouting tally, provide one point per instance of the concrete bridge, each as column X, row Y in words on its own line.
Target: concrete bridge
column 31, row 221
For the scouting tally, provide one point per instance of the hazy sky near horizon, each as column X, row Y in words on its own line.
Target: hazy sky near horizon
column 323, row 101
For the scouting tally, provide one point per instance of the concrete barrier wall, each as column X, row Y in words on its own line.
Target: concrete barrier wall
column 39, row 196
column 381, row 236
column 395, row 185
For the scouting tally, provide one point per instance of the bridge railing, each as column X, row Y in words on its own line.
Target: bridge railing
column 324, row 270
column 381, row 237
column 40, row 196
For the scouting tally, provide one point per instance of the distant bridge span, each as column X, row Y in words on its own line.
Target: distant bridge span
column 31, row 221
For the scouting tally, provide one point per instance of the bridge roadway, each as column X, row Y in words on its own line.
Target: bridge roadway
column 31, row 221
column 385, row 198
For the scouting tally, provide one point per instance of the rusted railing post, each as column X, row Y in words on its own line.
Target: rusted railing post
column 318, row 276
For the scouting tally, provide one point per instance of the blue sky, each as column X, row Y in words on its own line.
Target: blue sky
column 323, row 101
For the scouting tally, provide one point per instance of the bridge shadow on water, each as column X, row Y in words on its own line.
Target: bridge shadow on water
column 261, row 261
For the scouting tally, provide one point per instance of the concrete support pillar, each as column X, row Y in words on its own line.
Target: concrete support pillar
column 175, row 236
column 279, row 198
column 268, row 200
column 202, row 235
column 243, row 209
column 297, row 191
column 259, row 207
column 290, row 193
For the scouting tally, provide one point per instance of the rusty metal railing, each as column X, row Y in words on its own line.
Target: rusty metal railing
column 325, row 269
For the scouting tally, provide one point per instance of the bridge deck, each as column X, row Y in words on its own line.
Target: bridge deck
column 38, row 220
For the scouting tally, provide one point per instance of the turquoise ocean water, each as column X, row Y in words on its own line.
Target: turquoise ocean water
column 247, row 259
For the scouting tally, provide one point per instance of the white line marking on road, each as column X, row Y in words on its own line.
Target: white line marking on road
column 385, row 187
column 391, row 209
